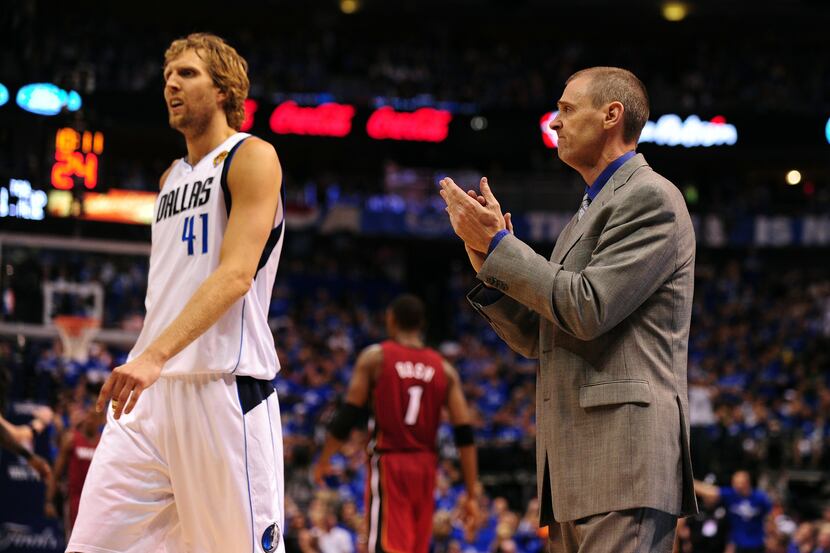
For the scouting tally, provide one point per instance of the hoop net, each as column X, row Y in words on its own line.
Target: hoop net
column 76, row 333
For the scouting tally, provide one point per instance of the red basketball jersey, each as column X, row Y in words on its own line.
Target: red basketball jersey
column 79, row 459
column 408, row 397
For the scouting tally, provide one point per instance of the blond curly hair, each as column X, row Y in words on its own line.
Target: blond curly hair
column 226, row 67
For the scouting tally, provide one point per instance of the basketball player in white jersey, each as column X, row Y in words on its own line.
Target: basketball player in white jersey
column 191, row 456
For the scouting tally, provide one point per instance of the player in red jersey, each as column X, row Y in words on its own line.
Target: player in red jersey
column 78, row 444
column 405, row 385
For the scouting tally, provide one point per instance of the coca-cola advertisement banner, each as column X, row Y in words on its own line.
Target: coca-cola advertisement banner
column 332, row 119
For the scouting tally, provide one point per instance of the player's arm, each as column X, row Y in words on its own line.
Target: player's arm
column 707, row 492
column 12, row 434
column 464, row 441
column 60, row 465
column 8, row 441
column 354, row 411
column 254, row 180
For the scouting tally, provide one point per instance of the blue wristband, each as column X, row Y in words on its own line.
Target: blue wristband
column 496, row 239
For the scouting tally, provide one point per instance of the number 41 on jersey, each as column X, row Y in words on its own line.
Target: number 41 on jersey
column 189, row 236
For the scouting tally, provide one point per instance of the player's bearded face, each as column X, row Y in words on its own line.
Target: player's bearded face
column 194, row 114
column 190, row 94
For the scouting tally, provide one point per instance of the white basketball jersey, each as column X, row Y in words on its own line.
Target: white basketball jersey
column 191, row 215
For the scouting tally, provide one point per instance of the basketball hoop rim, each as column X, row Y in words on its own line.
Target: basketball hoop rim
column 74, row 325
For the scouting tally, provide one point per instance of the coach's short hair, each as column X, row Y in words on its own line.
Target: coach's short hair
column 612, row 84
column 409, row 312
column 227, row 68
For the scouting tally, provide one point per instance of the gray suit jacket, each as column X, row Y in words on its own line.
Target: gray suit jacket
column 608, row 317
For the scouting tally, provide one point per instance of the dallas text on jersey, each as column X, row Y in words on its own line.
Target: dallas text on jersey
column 179, row 200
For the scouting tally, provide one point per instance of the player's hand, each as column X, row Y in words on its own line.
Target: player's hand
column 321, row 470
column 43, row 414
column 41, row 466
column 475, row 223
column 469, row 517
column 50, row 510
column 42, row 417
column 127, row 382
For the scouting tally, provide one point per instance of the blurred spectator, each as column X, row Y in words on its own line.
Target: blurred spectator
column 330, row 537
column 804, row 539
column 823, row 541
column 746, row 508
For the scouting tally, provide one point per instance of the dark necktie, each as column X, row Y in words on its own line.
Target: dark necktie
column 583, row 207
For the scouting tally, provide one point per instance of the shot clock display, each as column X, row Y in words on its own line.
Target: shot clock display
column 76, row 158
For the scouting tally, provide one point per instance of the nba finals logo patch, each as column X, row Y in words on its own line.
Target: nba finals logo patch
column 271, row 538
column 220, row 158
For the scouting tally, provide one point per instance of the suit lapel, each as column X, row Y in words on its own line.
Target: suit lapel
column 575, row 229
column 559, row 250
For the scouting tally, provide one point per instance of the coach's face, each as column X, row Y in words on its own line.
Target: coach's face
column 189, row 92
column 579, row 125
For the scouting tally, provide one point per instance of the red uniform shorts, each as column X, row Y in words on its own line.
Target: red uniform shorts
column 400, row 501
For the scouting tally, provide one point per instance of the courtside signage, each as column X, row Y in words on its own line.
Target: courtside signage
column 671, row 130
column 116, row 206
column 335, row 120
column 549, row 136
column 329, row 119
column 250, row 111
column 422, row 125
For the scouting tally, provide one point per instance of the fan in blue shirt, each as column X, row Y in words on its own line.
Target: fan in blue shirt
column 746, row 510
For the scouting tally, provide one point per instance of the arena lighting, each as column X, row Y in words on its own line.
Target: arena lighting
column 329, row 119
column 674, row 11
column 20, row 201
column 47, row 99
column 250, row 109
column 671, row 130
column 793, row 177
column 349, row 6
column 76, row 155
column 423, row 125
column 549, row 136
column 478, row 123
column 4, row 94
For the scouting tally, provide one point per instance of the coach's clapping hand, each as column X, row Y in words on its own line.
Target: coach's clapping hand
column 127, row 382
column 474, row 221
column 476, row 257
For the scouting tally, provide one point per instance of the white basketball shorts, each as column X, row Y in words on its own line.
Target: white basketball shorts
column 197, row 467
